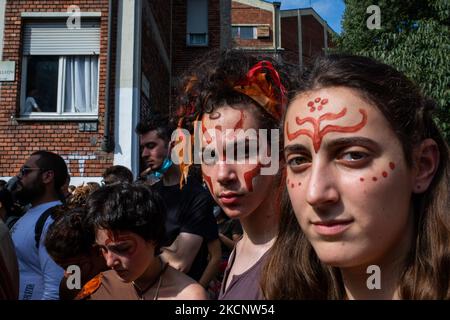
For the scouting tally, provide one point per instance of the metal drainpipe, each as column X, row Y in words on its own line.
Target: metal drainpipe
column 277, row 25
column 107, row 144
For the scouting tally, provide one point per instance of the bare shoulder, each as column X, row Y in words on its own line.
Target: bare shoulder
column 186, row 287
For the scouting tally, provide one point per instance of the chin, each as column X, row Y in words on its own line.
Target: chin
column 335, row 255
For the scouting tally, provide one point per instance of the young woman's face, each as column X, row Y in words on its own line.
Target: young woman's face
column 125, row 252
column 347, row 178
column 239, row 188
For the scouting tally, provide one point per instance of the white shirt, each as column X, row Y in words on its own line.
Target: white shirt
column 39, row 274
column 30, row 105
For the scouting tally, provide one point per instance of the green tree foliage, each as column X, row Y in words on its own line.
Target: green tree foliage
column 414, row 37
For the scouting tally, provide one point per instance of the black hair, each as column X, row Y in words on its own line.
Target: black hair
column 118, row 173
column 128, row 207
column 157, row 122
column 52, row 161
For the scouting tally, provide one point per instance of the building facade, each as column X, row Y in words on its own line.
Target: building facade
column 76, row 76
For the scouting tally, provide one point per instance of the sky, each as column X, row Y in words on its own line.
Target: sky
column 330, row 10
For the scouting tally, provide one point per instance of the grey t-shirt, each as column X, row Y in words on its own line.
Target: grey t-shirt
column 245, row 286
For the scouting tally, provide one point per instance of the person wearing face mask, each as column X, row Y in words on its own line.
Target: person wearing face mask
column 190, row 224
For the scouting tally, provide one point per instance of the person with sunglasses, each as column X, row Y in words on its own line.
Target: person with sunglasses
column 39, row 184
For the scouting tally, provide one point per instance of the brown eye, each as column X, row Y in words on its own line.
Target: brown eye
column 354, row 156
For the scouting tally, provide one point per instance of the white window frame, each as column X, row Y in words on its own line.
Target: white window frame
column 255, row 30
column 59, row 114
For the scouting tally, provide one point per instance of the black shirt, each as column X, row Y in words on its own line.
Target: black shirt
column 190, row 210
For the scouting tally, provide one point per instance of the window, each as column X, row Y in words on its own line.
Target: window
column 244, row 32
column 197, row 23
column 60, row 70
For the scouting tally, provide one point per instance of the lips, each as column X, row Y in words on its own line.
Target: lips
column 332, row 227
column 230, row 198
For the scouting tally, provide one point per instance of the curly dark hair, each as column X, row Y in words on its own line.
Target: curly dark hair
column 209, row 85
column 128, row 207
column 69, row 235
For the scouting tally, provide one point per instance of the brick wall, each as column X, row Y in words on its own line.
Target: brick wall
column 313, row 41
column 18, row 139
column 244, row 14
column 289, row 38
column 183, row 55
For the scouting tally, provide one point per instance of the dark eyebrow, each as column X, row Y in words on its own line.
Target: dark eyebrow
column 295, row 148
column 351, row 141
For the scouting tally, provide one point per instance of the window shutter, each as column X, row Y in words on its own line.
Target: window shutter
column 197, row 22
column 55, row 38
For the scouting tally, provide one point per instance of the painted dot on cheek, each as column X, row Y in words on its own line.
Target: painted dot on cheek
column 392, row 165
column 292, row 185
column 361, row 179
column 317, row 100
column 374, row 179
column 385, row 174
column 299, row 184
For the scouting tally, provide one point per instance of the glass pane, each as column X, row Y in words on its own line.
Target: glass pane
column 42, row 84
column 235, row 32
column 246, row 32
column 81, row 84
column 198, row 38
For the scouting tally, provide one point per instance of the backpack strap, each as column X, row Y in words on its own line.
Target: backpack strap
column 40, row 223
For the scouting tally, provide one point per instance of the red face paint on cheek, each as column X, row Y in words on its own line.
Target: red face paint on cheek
column 249, row 175
column 385, row 174
column 392, row 165
column 208, row 182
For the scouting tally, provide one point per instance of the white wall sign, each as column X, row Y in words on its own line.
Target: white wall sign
column 7, row 70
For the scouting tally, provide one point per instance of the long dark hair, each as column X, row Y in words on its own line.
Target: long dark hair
column 294, row 270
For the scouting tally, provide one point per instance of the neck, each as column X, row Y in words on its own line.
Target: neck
column 261, row 226
column 150, row 276
column 48, row 197
column 172, row 176
column 358, row 280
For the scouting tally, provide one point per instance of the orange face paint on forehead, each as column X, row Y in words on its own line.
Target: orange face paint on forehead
column 238, row 125
column 317, row 134
column 114, row 237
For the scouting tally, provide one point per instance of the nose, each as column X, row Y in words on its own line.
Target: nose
column 321, row 188
column 145, row 152
column 226, row 173
column 111, row 259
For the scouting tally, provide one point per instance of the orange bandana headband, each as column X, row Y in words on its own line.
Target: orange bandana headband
column 263, row 85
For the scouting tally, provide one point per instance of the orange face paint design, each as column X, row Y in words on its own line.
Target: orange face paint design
column 238, row 125
column 249, row 175
column 114, row 237
column 208, row 182
column 317, row 134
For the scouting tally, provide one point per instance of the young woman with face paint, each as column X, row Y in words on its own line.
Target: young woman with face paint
column 128, row 223
column 230, row 94
column 368, row 180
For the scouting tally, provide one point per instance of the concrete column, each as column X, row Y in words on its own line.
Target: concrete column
column 128, row 84
column 277, row 25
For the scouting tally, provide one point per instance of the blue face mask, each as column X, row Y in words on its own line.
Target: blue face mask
column 165, row 166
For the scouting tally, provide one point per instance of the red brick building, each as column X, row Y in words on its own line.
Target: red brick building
column 304, row 35
column 81, row 73
column 255, row 25
column 77, row 75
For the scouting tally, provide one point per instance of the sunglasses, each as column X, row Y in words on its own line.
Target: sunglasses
column 25, row 170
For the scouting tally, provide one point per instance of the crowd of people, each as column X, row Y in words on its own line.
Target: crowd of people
column 361, row 180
